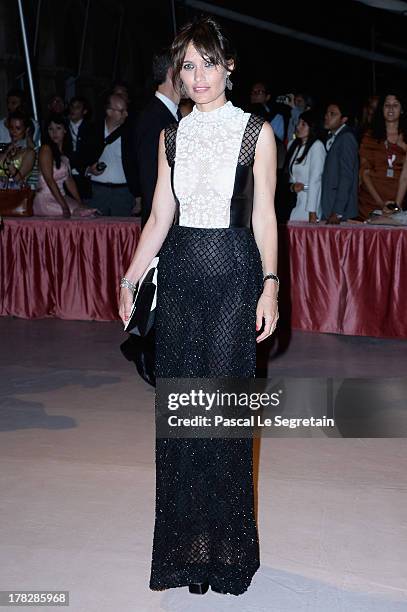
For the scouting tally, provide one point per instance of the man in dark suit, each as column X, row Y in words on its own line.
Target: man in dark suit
column 82, row 136
column 339, row 192
column 144, row 135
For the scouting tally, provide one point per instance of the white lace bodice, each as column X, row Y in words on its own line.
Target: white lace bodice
column 207, row 151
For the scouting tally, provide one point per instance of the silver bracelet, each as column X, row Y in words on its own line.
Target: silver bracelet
column 125, row 283
column 273, row 277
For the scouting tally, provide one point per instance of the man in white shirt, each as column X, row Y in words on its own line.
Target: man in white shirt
column 110, row 192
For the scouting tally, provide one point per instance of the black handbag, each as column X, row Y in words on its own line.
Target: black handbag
column 142, row 314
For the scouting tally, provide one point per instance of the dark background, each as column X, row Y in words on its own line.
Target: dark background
column 122, row 35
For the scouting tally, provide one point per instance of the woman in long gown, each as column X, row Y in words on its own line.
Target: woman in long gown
column 216, row 179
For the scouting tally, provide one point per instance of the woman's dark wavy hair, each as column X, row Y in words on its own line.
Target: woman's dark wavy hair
column 378, row 125
column 315, row 133
column 20, row 116
column 208, row 39
column 67, row 142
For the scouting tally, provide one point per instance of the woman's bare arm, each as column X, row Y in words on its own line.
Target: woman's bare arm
column 402, row 187
column 27, row 163
column 73, row 190
column 265, row 224
column 46, row 163
column 154, row 231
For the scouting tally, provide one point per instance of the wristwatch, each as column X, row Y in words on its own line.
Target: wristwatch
column 273, row 277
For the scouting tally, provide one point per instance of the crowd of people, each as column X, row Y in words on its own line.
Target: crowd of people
column 331, row 166
column 334, row 166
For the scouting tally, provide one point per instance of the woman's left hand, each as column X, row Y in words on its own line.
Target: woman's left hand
column 12, row 150
column 267, row 309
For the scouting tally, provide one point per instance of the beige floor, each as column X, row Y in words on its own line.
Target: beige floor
column 77, row 491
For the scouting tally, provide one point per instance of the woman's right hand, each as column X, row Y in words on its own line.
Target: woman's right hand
column 297, row 187
column 125, row 304
column 66, row 213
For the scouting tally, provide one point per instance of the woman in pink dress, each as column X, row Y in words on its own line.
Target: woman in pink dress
column 51, row 199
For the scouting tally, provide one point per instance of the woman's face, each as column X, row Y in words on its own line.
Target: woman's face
column 56, row 132
column 302, row 129
column 17, row 130
column 57, row 105
column 13, row 103
column 391, row 109
column 204, row 82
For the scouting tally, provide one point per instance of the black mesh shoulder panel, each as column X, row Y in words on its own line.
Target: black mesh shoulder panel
column 249, row 141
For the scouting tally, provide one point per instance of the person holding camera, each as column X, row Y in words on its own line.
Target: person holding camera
column 110, row 192
column 298, row 103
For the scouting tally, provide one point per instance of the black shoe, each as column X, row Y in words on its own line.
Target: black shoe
column 199, row 588
column 218, row 590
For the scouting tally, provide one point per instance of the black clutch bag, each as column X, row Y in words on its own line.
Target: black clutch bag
column 142, row 314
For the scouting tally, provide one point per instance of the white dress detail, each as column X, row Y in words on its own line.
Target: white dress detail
column 207, row 151
column 308, row 172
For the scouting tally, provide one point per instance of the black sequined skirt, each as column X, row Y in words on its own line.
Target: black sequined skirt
column 209, row 282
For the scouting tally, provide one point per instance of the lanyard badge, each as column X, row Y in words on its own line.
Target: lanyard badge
column 391, row 158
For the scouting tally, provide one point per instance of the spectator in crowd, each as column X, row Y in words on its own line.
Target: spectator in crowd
column 260, row 104
column 368, row 113
column 110, row 192
column 382, row 154
column 56, row 105
column 299, row 103
column 82, row 136
column 121, row 88
column 17, row 159
column 306, row 158
column 339, row 192
column 51, row 198
column 16, row 100
column 160, row 111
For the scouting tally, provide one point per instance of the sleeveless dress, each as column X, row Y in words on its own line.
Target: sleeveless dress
column 16, row 161
column 209, row 281
column 45, row 204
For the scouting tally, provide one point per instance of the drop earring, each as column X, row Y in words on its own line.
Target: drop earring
column 182, row 90
column 228, row 83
